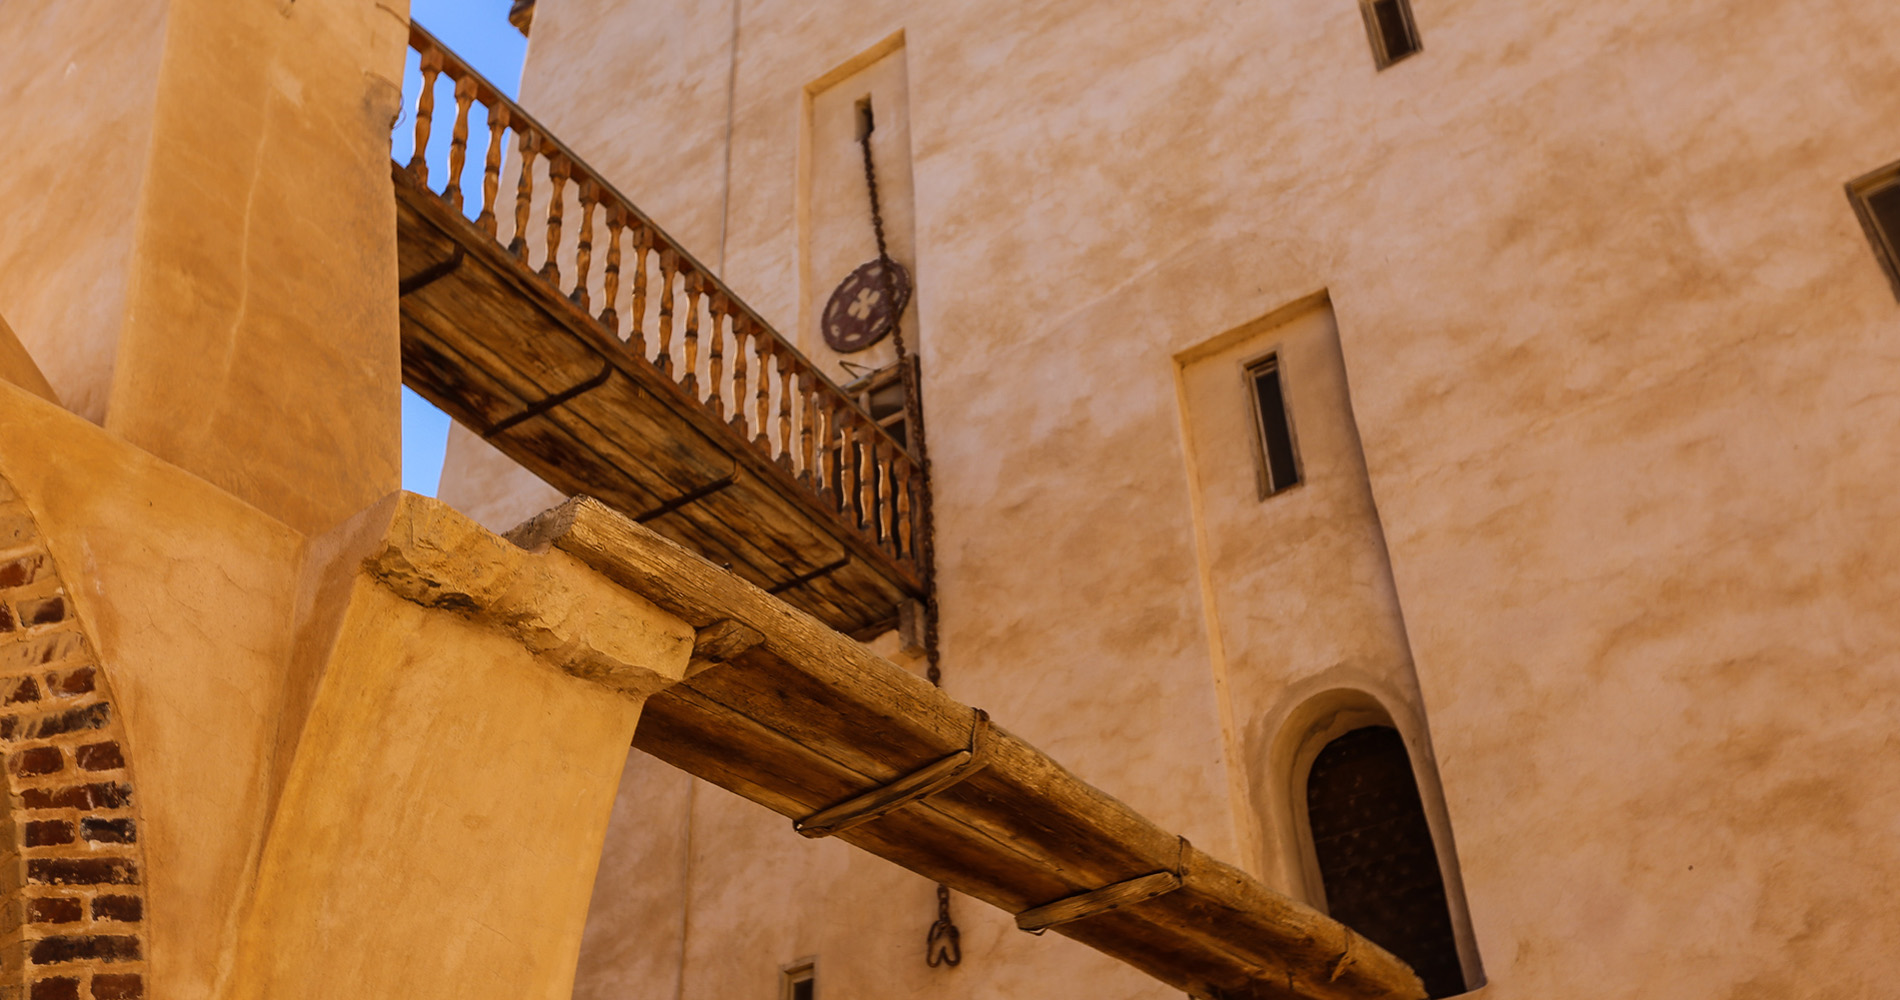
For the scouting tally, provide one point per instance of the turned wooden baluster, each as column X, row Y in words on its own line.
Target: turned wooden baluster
column 867, row 479
column 584, row 243
column 491, row 168
column 785, row 366
column 901, row 473
column 763, row 437
column 669, row 265
column 610, row 282
column 425, row 114
column 716, row 355
column 530, row 147
column 691, row 368
column 559, row 169
column 642, row 242
column 808, row 390
column 458, row 140
column 827, row 470
column 886, row 493
column 847, row 464
column 741, row 335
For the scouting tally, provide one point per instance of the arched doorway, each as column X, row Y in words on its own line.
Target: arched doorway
column 1378, row 866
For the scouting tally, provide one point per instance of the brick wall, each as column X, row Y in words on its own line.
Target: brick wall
column 72, row 906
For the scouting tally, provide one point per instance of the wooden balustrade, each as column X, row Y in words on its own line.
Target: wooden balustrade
column 677, row 314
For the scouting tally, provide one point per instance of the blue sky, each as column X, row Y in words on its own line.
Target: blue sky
column 479, row 32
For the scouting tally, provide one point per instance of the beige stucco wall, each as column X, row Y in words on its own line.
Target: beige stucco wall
column 1615, row 354
column 261, row 342
column 487, row 485
column 78, row 87
column 200, row 245
column 18, row 367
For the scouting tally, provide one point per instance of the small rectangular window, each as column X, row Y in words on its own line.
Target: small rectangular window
column 1876, row 199
column 799, row 981
column 1279, row 466
column 1390, row 26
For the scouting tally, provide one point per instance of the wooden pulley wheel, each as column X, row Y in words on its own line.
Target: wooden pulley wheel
column 865, row 307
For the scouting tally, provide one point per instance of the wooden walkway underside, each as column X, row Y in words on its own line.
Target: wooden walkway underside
column 790, row 714
column 488, row 341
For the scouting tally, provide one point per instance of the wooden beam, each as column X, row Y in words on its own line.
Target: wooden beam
column 807, row 718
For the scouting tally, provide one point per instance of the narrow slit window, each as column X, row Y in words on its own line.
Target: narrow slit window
column 1390, row 26
column 1876, row 199
column 799, row 981
column 1279, row 466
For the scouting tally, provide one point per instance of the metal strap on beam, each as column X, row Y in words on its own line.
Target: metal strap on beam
column 431, row 274
column 1096, row 902
column 550, row 402
column 918, row 784
column 805, row 578
column 695, row 494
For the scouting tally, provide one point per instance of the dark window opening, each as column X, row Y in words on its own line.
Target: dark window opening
column 1393, row 32
column 1377, row 864
column 799, row 982
column 1876, row 199
column 1280, row 467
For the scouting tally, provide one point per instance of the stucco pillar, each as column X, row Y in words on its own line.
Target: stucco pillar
column 260, row 347
column 441, row 817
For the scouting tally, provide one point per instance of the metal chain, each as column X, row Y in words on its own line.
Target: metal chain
column 943, row 945
column 913, row 416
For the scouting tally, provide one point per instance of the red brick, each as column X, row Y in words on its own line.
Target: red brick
column 45, row 832
column 100, row 795
column 77, row 682
column 54, row 910
column 57, row 988
column 39, row 760
column 125, row 909
column 81, row 871
column 94, row 716
column 85, row 948
column 42, row 611
column 28, row 691
column 110, row 795
column 21, row 571
column 7, row 622
column 56, row 798
column 108, row 831
column 117, row 987
column 100, row 757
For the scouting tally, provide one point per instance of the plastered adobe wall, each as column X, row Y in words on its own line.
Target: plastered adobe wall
column 1619, row 360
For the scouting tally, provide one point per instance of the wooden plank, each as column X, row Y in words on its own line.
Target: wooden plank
column 808, row 717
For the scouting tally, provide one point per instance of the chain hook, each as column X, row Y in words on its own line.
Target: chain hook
column 944, row 945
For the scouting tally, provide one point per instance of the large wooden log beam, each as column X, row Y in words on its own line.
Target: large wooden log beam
column 805, row 718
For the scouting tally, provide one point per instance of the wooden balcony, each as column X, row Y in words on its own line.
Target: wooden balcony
column 577, row 337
